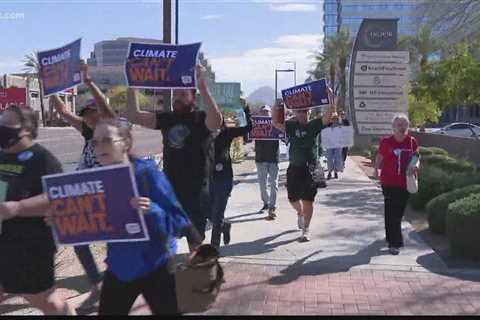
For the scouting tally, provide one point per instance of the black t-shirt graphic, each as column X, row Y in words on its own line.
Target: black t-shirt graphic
column 88, row 159
column 20, row 178
column 188, row 151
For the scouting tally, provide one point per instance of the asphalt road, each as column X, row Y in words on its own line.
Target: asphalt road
column 66, row 143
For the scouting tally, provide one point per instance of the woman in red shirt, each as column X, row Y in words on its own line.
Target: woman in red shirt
column 393, row 159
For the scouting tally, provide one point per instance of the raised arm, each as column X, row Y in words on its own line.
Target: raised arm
column 213, row 120
column 74, row 120
column 327, row 117
column 100, row 100
column 135, row 115
column 276, row 116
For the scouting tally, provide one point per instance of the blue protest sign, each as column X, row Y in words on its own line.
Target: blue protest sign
column 263, row 129
column 60, row 68
column 306, row 95
column 161, row 66
column 94, row 206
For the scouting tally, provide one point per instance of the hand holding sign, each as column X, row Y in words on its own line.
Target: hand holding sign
column 141, row 203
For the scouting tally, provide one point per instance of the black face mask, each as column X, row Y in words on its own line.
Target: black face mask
column 9, row 136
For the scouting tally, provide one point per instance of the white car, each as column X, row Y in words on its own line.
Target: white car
column 460, row 129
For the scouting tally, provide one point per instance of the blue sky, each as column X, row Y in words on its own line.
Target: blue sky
column 244, row 40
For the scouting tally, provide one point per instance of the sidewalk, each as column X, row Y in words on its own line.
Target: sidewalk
column 344, row 269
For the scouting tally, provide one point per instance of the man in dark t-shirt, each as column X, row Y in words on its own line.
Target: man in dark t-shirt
column 188, row 148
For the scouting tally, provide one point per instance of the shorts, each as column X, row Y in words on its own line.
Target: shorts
column 27, row 266
column 197, row 208
column 300, row 184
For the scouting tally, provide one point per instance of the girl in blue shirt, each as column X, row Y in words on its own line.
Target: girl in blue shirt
column 135, row 268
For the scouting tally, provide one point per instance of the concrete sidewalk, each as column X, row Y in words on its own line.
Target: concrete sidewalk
column 344, row 269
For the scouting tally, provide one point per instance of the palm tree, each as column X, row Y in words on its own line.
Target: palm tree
column 32, row 68
column 332, row 61
column 421, row 46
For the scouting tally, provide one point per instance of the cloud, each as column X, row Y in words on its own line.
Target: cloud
column 294, row 7
column 256, row 67
column 211, row 17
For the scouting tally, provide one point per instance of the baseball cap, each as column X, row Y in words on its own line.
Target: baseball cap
column 89, row 105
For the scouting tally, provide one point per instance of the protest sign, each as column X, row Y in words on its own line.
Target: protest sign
column 263, row 129
column 94, row 206
column 161, row 66
column 337, row 137
column 306, row 96
column 12, row 96
column 60, row 68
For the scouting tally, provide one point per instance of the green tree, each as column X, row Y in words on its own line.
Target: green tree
column 450, row 82
column 332, row 63
column 422, row 111
column 32, row 68
column 421, row 46
column 118, row 98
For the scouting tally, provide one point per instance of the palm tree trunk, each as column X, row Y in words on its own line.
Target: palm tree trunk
column 42, row 107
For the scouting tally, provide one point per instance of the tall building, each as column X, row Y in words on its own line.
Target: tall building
column 107, row 61
column 350, row 13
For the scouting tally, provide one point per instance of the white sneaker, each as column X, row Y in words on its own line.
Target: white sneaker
column 305, row 236
column 300, row 222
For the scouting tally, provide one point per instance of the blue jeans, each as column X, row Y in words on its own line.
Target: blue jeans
column 220, row 190
column 88, row 263
column 268, row 171
column 335, row 160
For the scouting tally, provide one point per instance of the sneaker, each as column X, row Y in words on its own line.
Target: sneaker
column 271, row 212
column 335, row 176
column 265, row 207
column 329, row 176
column 227, row 226
column 394, row 251
column 300, row 222
column 270, row 217
column 305, row 236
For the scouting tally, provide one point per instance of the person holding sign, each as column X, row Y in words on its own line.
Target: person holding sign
column 26, row 243
column 397, row 157
column 267, row 156
column 135, row 268
column 188, row 149
column 302, row 135
column 222, row 181
column 85, row 123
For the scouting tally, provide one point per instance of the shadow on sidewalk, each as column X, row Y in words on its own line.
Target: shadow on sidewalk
column 256, row 247
column 77, row 283
column 470, row 274
column 9, row 308
column 366, row 201
column 330, row 264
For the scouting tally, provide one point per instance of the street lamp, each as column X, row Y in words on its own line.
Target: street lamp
column 276, row 79
column 295, row 70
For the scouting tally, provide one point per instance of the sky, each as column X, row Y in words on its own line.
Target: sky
column 244, row 40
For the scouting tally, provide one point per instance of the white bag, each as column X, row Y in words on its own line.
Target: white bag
column 412, row 183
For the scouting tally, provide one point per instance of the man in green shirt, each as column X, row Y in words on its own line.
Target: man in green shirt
column 302, row 134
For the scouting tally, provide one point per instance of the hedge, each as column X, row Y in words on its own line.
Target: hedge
column 463, row 223
column 437, row 208
column 432, row 182
column 448, row 163
column 428, row 151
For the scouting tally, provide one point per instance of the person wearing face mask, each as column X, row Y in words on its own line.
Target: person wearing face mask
column 88, row 117
column 394, row 159
column 188, row 149
column 222, row 180
column 135, row 268
column 26, row 243
column 302, row 134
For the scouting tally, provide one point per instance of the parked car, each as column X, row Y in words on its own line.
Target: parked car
column 459, row 129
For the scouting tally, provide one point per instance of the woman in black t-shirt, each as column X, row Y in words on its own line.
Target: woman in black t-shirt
column 85, row 123
column 26, row 243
